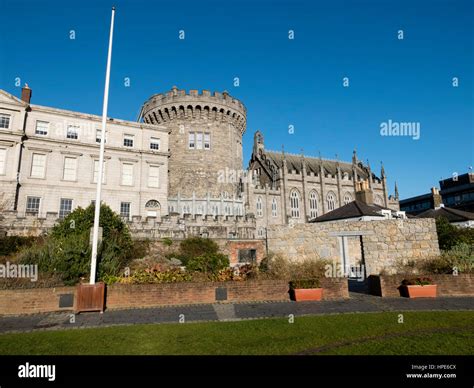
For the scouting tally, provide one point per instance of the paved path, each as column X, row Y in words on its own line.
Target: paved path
column 229, row 312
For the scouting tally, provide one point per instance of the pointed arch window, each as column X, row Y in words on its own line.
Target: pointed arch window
column 295, row 204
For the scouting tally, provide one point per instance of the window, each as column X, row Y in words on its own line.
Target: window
column 191, row 140
column 41, row 128
column 3, row 160
column 38, row 165
column 154, row 143
column 274, row 207
column 295, row 204
column 4, row 121
column 96, row 172
column 228, row 210
column 313, row 205
column 65, row 207
column 33, row 204
column 199, row 141
column 125, row 210
column 207, row 141
column 98, row 136
column 128, row 141
column 70, row 169
column 331, row 201
column 127, row 174
column 153, row 176
column 259, row 207
column 72, row 132
column 347, row 198
column 247, row 255
column 261, row 232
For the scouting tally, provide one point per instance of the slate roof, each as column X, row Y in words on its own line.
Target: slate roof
column 452, row 215
column 354, row 209
column 312, row 164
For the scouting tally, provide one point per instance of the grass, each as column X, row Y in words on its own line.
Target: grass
column 448, row 333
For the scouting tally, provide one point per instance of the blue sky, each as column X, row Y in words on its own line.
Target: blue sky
column 282, row 82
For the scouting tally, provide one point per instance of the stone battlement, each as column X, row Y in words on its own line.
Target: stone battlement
column 173, row 225
column 181, row 104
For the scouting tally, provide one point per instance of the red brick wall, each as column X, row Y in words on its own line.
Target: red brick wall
column 232, row 249
column 448, row 285
column 32, row 300
column 148, row 295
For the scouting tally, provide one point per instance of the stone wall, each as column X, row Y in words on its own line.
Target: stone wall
column 384, row 243
column 172, row 226
column 448, row 285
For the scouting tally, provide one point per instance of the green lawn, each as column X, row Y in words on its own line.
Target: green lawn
column 447, row 333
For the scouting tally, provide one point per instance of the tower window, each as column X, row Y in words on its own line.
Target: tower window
column 192, row 142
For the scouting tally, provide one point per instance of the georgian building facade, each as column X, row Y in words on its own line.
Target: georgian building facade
column 49, row 161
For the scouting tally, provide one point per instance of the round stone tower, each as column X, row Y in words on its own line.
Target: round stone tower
column 205, row 144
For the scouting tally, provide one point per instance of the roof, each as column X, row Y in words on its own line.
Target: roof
column 293, row 162
column 452, row 215
column 354, row 209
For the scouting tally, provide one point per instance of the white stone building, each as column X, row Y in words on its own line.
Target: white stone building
column 49, row 161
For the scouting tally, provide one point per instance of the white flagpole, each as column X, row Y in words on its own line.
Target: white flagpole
column 95, row 238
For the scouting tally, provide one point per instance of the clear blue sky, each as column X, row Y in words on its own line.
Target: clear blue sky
column 282, row 82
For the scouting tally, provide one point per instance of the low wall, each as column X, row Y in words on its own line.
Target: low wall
column 121, row 296
column 35, row 300
column 448, row 285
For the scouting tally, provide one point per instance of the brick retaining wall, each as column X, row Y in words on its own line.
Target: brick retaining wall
column 448, row 285
column 119, row 296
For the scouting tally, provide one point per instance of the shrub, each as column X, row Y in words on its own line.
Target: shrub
column 420, row 281
column 167, row 241
column 196, row 246
column 281, row 268
column 12, row 244
column 304, row 283
column 450, row 235
column 208, row 263
column 67, row 252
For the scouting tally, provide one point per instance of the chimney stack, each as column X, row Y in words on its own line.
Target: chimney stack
column 364, row 193
column 437, row 200
column 26, row 94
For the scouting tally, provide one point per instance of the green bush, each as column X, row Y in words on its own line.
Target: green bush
column 12, row 244
column 208, row 263
column 420, row 281
column 281, row 268
column 450, row 235
column 193, row 247
column 67, row 252
column 167, row 241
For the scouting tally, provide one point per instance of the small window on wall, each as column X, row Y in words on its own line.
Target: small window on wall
column 125, row 210
column 42, row 128
column 38, row 165
column 98, row 136
column 33, row 204
column 207, row 141
column 259, row 207
column 154, row 176
column 199, row 140
column 65, row 207
column 274, row 207
column 96, row 172
column 4, row 121
column 247, row 255
column 70, row 169
column 192, row 140
column 72, row 132
column 128, row 141
column 154, row 143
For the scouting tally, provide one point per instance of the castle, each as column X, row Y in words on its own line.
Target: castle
column 168, row 172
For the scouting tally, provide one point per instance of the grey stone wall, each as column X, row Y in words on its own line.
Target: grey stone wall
column 384, row 243
column 172, row 226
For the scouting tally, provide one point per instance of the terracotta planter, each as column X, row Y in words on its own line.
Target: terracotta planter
column 301, row 294
column 427, row 291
